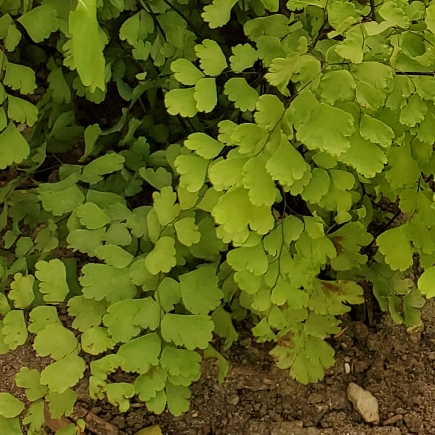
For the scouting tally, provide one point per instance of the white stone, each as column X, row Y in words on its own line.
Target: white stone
column 364, row 402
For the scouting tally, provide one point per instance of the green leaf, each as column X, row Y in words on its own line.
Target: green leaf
column 10, row 426
column 64, row 373
column 158, row 178
column 162, row 257
column 61, row 202
column 12, row 154
column 61, row 404
column 218, row 13
column 200, row 291
column 29, row 379
column 396, row 247
column 119, row 393
column 52, row 277
column 96, row 340
column 101, row 281
column 85, row 241
column 42, row 316
column 363, row 155
column 211, row 58
column 187, row 231
column 320, row 126
column 10, row 406
column 270, row 111
column 164, row 205
column 140, row 353
column 177, row 396
column 337, row 86
column 87, row 45
column 40, row 22
column 169, row 293
column 20, row 78
column 278, row 165
column 241, row 94
column 222, row 363
column 181, row 102
column 22, row 290
column 190, row 331
column 376, row 131
column 205, row 94
column 87, row 312
column 183, row 365
column 352, row 46
column 120, row 319
column 107, row 164
column 21, row 110
column 149, row 384
column 203, row 145
column 56, row 341
column 185, row 72
column 61, row 92
column 393, row 13
column 256, row 178
column 105, row 365
column 14, row 329
column 426, row 282
column 114, row 255
column 244, row 56
column 193, row 170
column 224, row 326
column 91, row 216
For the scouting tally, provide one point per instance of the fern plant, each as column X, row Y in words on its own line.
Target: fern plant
column 233, row 159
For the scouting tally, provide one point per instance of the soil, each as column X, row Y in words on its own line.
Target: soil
column 396, row 366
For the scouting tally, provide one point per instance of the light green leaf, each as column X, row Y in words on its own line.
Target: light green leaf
column 40, row 22
column 22, row 290
column 241, row 94
column 101, row 281
column 96, row 340
column 29, row 379
column 162, row 257
column 52, row 277
column 119, row 393
column 413, row 113
column 21, row 110
column 203, row 145
column 85, row 241
column 147, row 385
column 87, row 45
column 13, row 147
column 193, row 170
column 396, row 247
column 352, row 46
column 337, row 86
column 164, row 205
column 114, row 255
column 185, row 72
column 244, row 56
column 181, row 102
column 224, row 326
column 61, row 92
column 394, row 13
column 211, row 58
column 120, row 319
column 187, row 231
column 61, row 404
column 270, row 111
column 56, row 341
column 200, row 291
column 91, row 216
column 426, row 283
column 107, row 164
column 20, row 78
column 10, row 426
column 86, row 312
column 61, row 202
column 158, row 178
column 261, row 187
column 42, row 316
column 100, row 368
column 205, row 94
column 64, row 373
column 190, row 331
column 169, row 293
column 278, row 165
column 10, row 406
column 376, row 131
column 14, row 329
column 140, row 353
column 176, row 396
column 218, row 13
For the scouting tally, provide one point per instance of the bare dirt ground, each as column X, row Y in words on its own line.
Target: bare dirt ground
column 257, row 398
